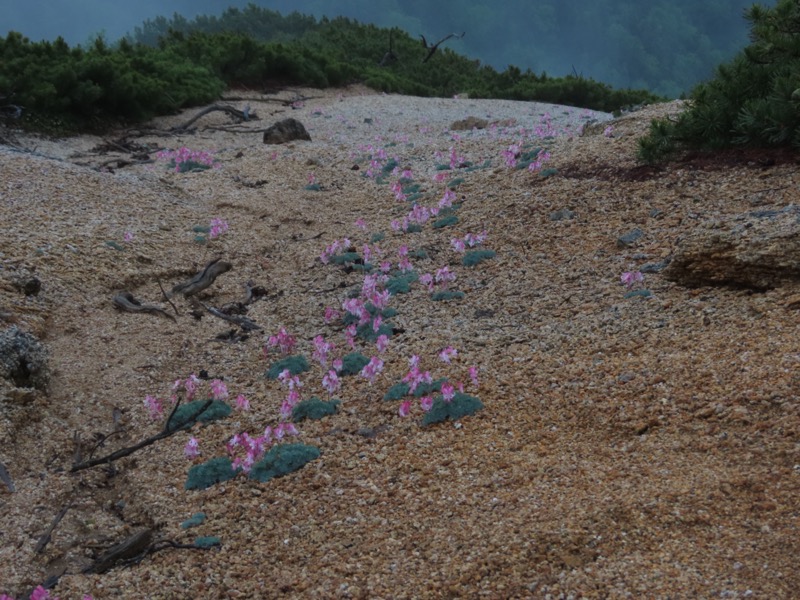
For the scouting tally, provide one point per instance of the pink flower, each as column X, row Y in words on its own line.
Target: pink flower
column 361, row 224
column 154, row 407
column 608, row 131
column 330, row 382
column 128, row 237
column 447, row 354
column 458, row 244
column 630, row 278
column 192, row 448
column 448, row 391
column 372, row 369
column 473, row 375
column 426, row 402
column 405, row 408
column 242, row 403
column 331, row 314
column 382, row 342
column 218, row 227
column 218, row 389
column 283, row 341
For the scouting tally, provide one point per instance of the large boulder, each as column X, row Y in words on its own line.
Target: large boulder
column 758, row 250
column 286, row 131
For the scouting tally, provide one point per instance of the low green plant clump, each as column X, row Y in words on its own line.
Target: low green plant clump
column 295, row 364
column 474, row 257
column 188, row 414
column 314, row 409
column 283, row 459
column 211, row 472
column 461, row 405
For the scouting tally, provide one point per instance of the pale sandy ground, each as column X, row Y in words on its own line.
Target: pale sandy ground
column 629, row 448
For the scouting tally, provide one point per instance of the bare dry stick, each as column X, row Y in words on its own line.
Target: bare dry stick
column 123, row 452
column 217, row 107
column 45, row 538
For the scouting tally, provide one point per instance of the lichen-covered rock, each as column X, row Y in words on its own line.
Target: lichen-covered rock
column 759, row 250
column 23, row 359
column 286, row 131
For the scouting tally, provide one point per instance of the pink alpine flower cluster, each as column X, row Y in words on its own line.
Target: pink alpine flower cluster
column 416, row 376
column 469, row 240
column 293, row 383
column 284, row 342
column 186, row 159
column 246, row 450
column 41, row 593
column 217, row 228
column 333, row 248
column 542, row 157
column 631, row 278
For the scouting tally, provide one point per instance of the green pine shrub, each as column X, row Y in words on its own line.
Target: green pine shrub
column 754, row 100
column 283, row 459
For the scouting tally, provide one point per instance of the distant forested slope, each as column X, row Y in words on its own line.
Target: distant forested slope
column 666, row 46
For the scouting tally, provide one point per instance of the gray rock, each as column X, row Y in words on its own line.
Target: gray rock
column 23, row 359
column 562, row 214
column 759, row 250
column 286, row 131
column 629, row 238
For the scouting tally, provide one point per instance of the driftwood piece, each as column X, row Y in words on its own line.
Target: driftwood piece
column 243, row 322
column 46, row 536
column 126, row 302
column 127, row 549
column 239, row 114
column 203, row 279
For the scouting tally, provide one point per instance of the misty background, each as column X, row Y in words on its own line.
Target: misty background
column 665, row 46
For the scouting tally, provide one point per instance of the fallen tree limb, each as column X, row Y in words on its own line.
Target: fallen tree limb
column 126, row 302
column 239, row 114
column 164, row 433
column 46, row 536
column 243, row 322
column 203, row 279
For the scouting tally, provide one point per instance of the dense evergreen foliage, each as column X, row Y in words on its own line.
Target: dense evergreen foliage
column 754, row 100
column 255, row 48
column 666, row 46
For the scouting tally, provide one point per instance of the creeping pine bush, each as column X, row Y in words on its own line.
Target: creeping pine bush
column 474, row 257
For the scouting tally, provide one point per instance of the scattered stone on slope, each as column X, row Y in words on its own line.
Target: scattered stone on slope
column 23, row 359
column 469, row 124
column 285, row 131
column 760, row 250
